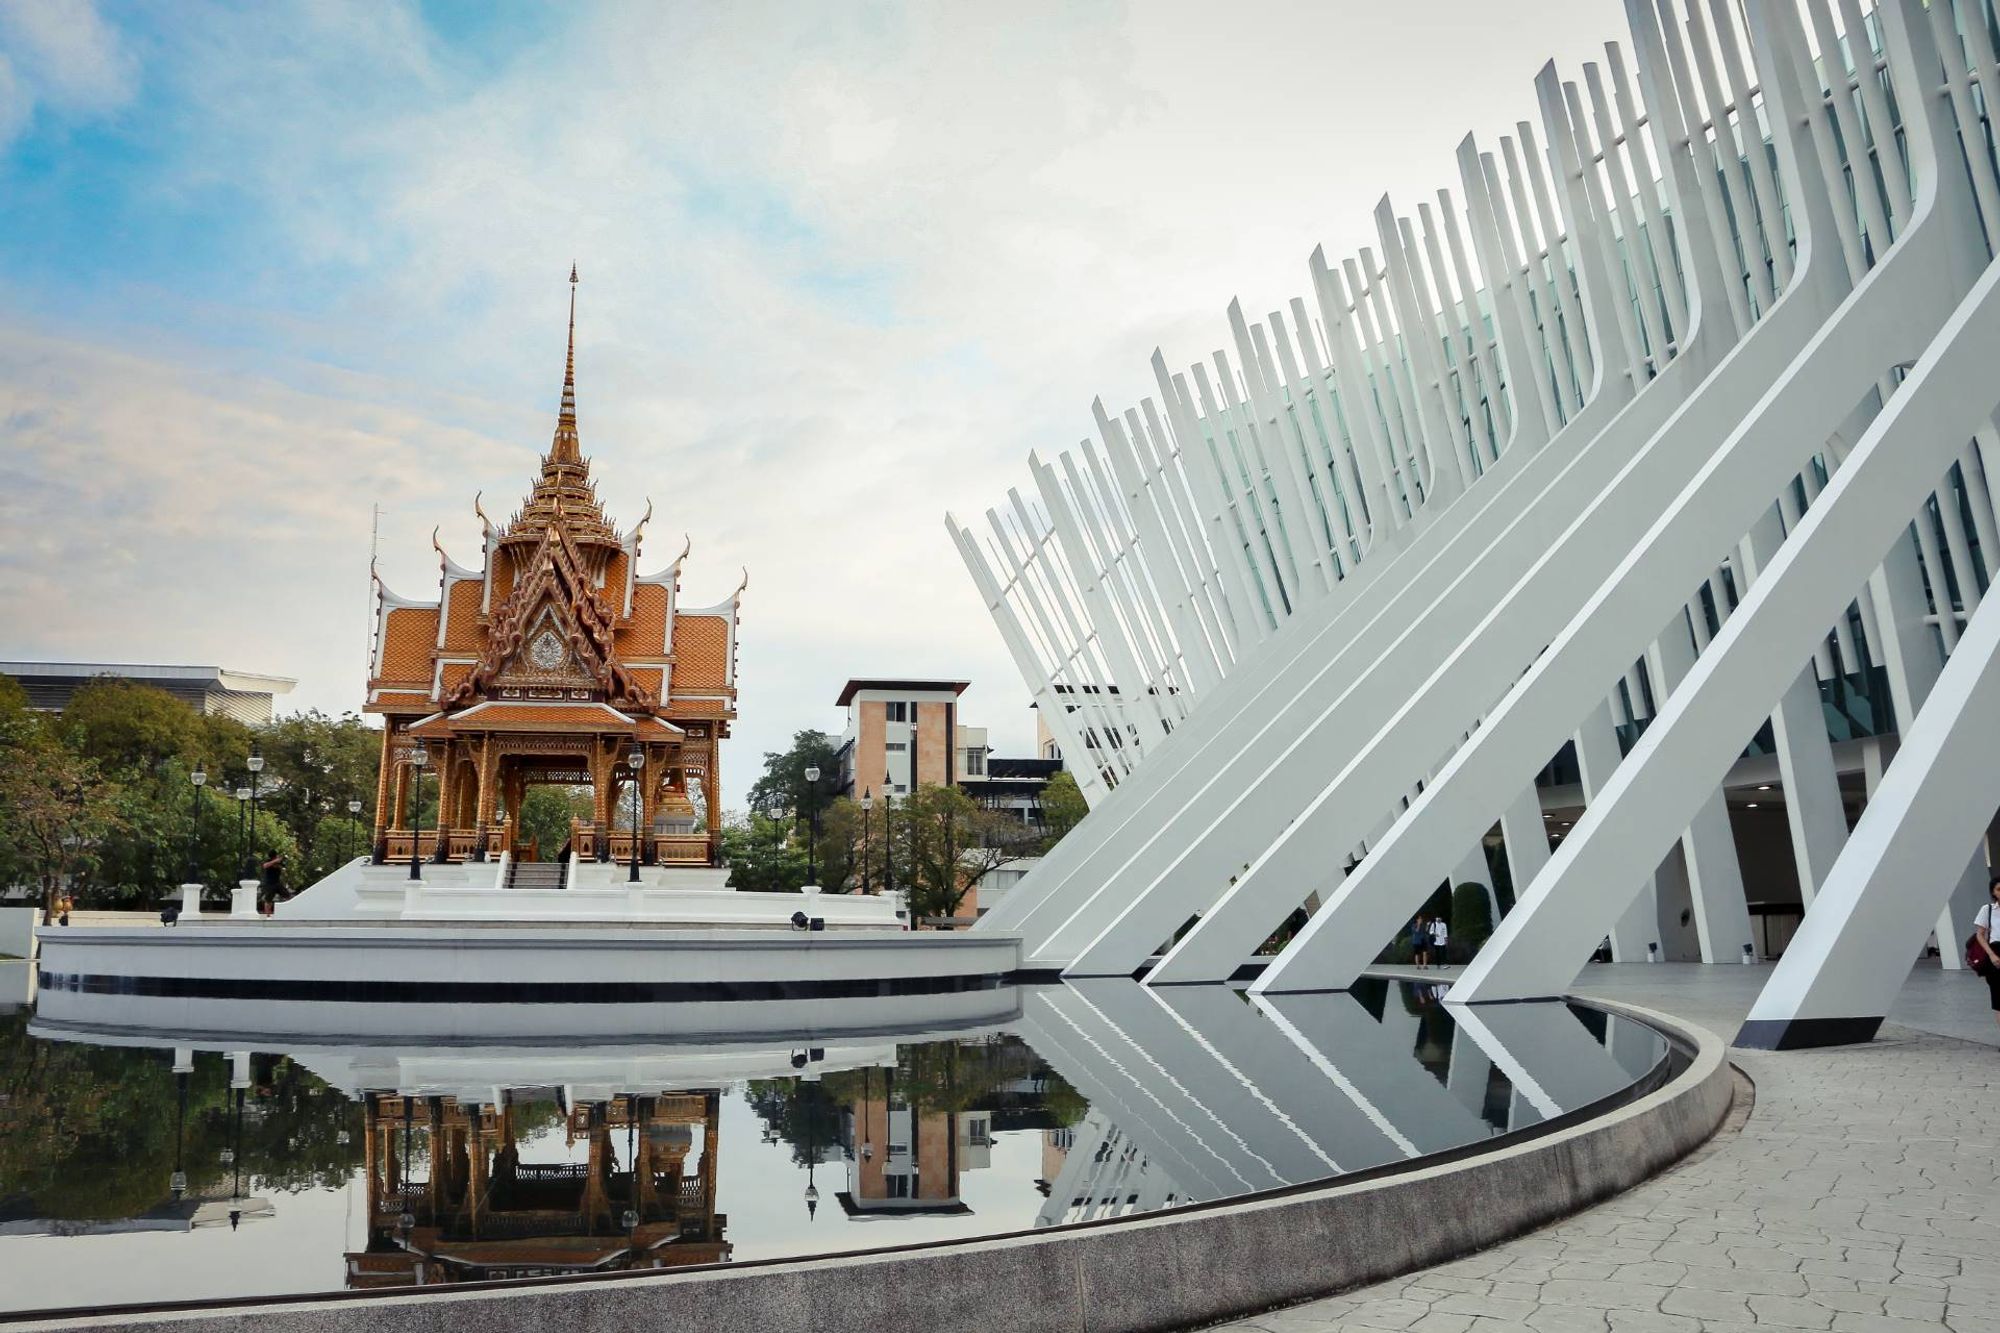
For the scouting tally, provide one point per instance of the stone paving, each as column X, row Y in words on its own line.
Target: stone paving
column 1860, row 1194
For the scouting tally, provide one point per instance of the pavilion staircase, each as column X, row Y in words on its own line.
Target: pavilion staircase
column 537, row 874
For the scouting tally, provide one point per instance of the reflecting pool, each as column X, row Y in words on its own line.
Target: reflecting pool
column 140, row 1166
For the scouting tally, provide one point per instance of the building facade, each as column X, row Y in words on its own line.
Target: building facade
column 902, row 734
column 247, row 696
column 557, row 660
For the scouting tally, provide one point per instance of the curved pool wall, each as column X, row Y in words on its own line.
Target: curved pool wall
column 1163, row 1270
column 469, row 981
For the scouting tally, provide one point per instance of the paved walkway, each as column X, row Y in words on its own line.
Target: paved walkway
column 1861, row 1194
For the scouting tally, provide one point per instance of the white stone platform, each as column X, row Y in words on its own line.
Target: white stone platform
column 597, row 892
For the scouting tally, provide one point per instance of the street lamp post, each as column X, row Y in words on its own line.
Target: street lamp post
column 812, row 826
column 867, row 805
column 635, row 761
column 419, row 757
column 199, row 778
column 245, row 869
column 255, row 763
column 631, row 1216
column 353, row 827
column 888, row 836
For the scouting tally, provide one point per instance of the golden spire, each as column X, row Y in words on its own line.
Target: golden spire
column 564, row 493
column 567, row 448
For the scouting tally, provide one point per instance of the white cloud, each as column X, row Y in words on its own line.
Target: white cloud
column 60, row 53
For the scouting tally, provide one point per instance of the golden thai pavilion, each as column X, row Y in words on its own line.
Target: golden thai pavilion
column 554, row 661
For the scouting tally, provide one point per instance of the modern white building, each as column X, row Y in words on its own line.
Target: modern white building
column 246, row 696
column 1653, row 463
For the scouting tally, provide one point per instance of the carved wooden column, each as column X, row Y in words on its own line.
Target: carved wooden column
column 711, row 788
column 483, row 796
column 602, row 757
column 649, row 800
column 379, row 843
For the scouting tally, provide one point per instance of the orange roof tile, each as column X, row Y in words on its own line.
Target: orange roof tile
column 409, row 639
column 461, row 626
column 701, row 652
column 646, row 634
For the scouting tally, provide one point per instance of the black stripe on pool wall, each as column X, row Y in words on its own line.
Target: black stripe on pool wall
column 505, row 992
column 1798, row 1034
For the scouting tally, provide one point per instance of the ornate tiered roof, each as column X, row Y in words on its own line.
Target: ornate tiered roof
column 556, row 612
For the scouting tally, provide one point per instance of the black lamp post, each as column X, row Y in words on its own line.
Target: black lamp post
column 178, row 1181
column 353, row 827
column 245, row 868
column 867, row 805
column 811, row 1100
column 812, row 825
column 233, row 1158
column 631, row 1217
column 635, row 761
column 888, row 836
column 199, row 778
column 255, row 763
column 406, row 1222
column 419, row 757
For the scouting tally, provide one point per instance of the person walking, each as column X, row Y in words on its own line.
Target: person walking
column 1440, row 939
column 1982, row 955
column 1420, row 942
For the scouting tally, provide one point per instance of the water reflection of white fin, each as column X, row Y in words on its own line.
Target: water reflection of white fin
column 1555, row 1063
column 1232, row 1066
column 1375, row 1064
column 1102, row 1065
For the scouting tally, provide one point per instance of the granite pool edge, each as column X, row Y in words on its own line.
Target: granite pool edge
column 1161, row 1271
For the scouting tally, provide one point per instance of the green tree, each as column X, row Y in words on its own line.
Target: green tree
column 546, row 812
column 946, row 843
column 56, row 809
column 1063, row 806
column 313, row 766
column 762, row 855
column 840, row 846
column 126, row 728
column 782, row 791
column 1471, row 917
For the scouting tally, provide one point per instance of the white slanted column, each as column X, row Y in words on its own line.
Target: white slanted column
column 190, row 900
column 1526, row 834
column 1814, row 810
column 1636, row 936
column 1849, row 959
column 243, row 898
column 1910, row 657
column 1708, row 848
column 1746, row 431
column 1863, row 510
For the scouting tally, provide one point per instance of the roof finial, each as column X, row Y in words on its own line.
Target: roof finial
column 566, row 447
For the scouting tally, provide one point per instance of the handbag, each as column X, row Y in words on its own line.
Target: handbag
column 1975, row 952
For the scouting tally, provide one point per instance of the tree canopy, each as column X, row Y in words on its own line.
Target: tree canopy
column 782, row 790
column 97, row 802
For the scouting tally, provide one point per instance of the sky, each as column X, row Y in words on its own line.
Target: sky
column 268, row 265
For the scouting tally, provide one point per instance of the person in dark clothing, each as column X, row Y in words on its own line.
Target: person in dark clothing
column 1985, row 926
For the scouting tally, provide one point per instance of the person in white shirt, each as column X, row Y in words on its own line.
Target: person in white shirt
column 1983, row 942
column 1440, row 937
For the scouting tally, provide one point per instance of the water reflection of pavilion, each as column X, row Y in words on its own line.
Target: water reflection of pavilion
column 454, row 1196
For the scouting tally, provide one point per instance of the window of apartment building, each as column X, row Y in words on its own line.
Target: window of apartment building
column 975, row 762
column 894, row 745
column 896, row 712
